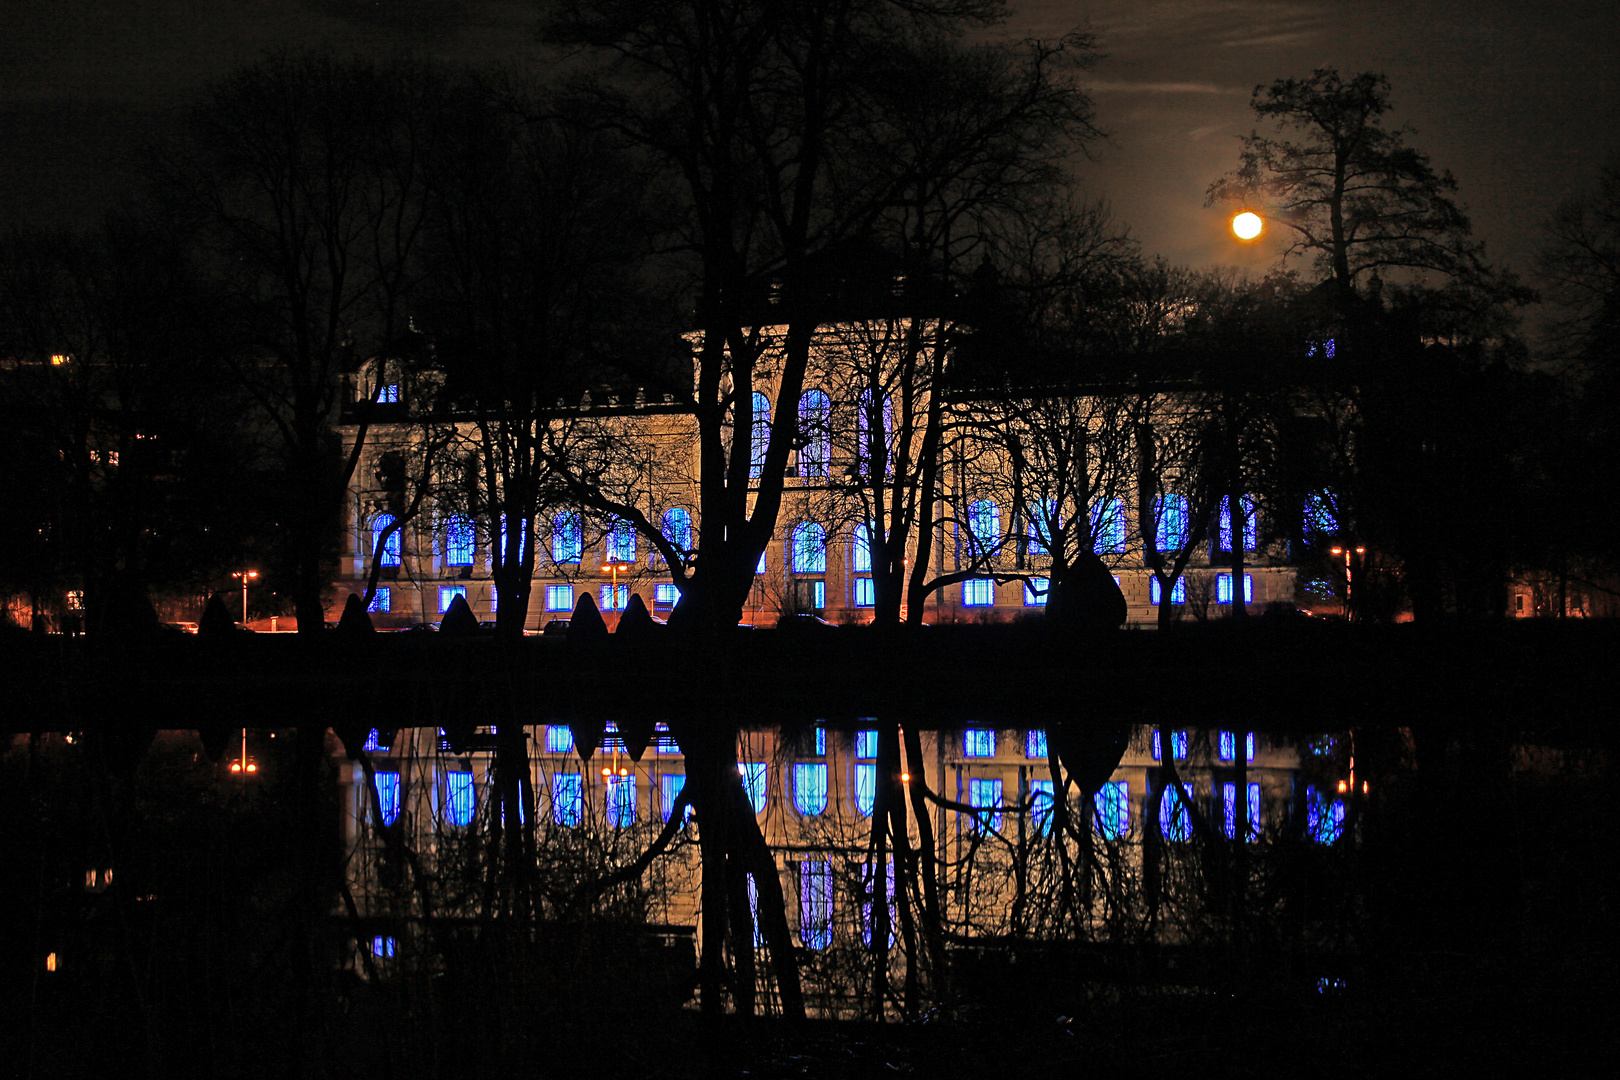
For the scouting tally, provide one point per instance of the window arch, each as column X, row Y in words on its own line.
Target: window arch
column 861, row 550
column 458, row 541
column 815, row 457
column 984, row 524
column 567, row 537
column 809, row 548
column 759, row 434
column 621, row 545
column 389, row 556
column 677, row 528
column 1250, row 524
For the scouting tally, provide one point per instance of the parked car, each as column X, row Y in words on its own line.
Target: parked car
column 555, row 628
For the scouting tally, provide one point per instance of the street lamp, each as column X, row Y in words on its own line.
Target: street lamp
column 616, row 568
column 244, row 576
column 242, row 766
column 1345, row 551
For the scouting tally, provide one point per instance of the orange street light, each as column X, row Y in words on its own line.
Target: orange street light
column 244, row 576
column 1345, row 551
column 616, row 568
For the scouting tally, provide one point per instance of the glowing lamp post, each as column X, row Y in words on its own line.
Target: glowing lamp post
column 244, row 576
column 243, row 765
column 1348, row 580
column 1248, row 225
column 615, row 569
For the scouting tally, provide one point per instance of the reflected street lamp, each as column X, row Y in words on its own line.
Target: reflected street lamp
column 244, row 576
column 1348, row 581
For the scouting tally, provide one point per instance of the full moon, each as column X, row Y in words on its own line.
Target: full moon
column 1247, row 225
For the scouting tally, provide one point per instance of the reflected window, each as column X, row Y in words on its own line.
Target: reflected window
column 559, row 739
column 567, row 798
column 985, row 793
column 753, row 778
column 1175, row 821
column 869, row 895
column 1321, row 513
column 388, row 795
column 815, row 903
column 458, row 798
column 1230, row 810
column 810, row 789
column 1112, row 806
column 979, row 742
column 621, row 801
column 1228, row 746
column 669, row 789
column 866, row 744
column 1324, row 818
column 382, row 600
column 1040, row 792
column 865, row 789
column 1035, row 743
column 384, row 946
column 1178, row 745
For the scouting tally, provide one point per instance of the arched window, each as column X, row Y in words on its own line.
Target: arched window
column 1108, row 526
column 621, row 541
column 984, row 524
column 1171, row 514
column 870, row 446
column 677, row 528
column 567, row 537
column 816, row 455
column 458, row 541
column 1250, row 524
column 809, row 548
column 861, row 554
column 1044, row 526
column 390, row 546
column 1174, row 821
column 760, row 434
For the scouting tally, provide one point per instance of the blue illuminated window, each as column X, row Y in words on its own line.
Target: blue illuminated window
column 815, row 903
column 559, row 598
column 1229, row 809
column 388, row 395
column 677, row 528
column 1170, row 511
column 985, row 794
column 669, row 789
column 810, row 789
column 666, row 595
column 759, row 434
column 1228, row 745
column 809, row 548
column 865, row 592
column 559, row 739
column 865, row 789
column 663, row 741
column 1251, row 533
column 1035, row 743
column 978, row 592
column 1174, row 820
column 611, row 739
column 448, row 594
column 381, row 601
column 869, row 895
column 866, row 744
column 1178, row 744
column 1324, row 819
column 458, row 798
column 979, row 742
column 1223, row 588
column 1178, row 591
column 984, row 525
column 383, row 945
column 458, row 542
column 753, row 778
column 621, row 801
column 818, row 595
column 388, row 795
column 621, row 541
column 821, row 742
column 1112, row 805
column 614, row 598
column 1044, row 526
column 390, row 547
column 861, row 550
column 371, row 742
column 1108, row 523
column 760, row 569
column 816, row 454
column 1040, row 793
column 567, row 537
column 567, row 798
column 1321, row 512
column 870, row 446
column 753, row 911
column 1035, row 592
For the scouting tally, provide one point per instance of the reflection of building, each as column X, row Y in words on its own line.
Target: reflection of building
column 813, row 791
column 1001, row 503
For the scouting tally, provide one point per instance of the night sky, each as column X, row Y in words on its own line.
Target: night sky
column 1519, row 99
